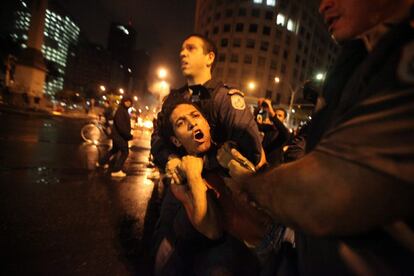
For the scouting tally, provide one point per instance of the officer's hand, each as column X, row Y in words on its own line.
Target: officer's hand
column 224, row 155
column 191, row 167
column 171, row 169
column 228, row 153
column 238, row 172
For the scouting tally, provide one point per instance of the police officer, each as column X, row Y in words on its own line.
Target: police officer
column 224, row 106
column 351, row 195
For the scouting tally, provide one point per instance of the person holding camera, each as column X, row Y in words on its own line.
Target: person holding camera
column 275, row 134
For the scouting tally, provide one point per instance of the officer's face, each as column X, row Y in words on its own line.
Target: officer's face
column 194, row 61
column 348, row 19
column 191, row 129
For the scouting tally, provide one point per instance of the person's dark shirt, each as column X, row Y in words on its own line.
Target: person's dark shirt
column 122, row 123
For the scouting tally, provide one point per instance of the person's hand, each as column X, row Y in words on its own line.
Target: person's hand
column 238, row 171
column 269, row 107
column 224, row 155
column 191, row 167
column 228, row 154
column 172, row 170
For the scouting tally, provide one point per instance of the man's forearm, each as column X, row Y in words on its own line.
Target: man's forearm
column 203, row 211
column 324, row 196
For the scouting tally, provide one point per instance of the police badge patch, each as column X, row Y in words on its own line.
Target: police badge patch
column 405, row 71
column 237, row 100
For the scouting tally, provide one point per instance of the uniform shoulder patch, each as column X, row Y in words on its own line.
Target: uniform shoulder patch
column 237, row 99
column 405, row 70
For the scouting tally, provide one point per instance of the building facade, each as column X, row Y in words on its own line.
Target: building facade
column 59, row 33
column 268, row 48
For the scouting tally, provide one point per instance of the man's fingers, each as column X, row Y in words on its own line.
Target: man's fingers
column 237, row 171
column 175, row 179
column 237, row 155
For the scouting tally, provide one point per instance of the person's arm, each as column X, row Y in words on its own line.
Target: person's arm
column 233, row 115
column 200, row 207
column 358, row 178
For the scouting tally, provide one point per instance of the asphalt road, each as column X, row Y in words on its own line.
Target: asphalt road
column 61, row 216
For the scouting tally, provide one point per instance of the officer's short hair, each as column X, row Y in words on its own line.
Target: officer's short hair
column 171, row 101
column 208, row 46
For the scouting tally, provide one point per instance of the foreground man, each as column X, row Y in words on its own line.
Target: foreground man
column 351, row 197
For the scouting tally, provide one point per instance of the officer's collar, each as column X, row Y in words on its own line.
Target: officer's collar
column 211, row 84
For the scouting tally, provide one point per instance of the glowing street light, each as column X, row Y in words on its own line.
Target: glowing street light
column 121, row 91
column 319, row 76
column 102, row 88
column 277, row 79
column 251, row 85
column 135, row 98
column 162, row 73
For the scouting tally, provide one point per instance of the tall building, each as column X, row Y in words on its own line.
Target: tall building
column 59, row 33
column 269, row 48
column 121, row 42
column 121, row 45
column 89, row 66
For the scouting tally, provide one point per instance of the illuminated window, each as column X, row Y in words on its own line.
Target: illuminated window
column 257, row 1
column 271, row 2
column 291, row 25
column 280, row 19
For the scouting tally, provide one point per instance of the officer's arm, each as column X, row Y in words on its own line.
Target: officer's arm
column 159, row 151
column 234, row 115
column 358, row 178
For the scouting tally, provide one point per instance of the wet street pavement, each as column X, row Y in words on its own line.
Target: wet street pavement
column 61, row 216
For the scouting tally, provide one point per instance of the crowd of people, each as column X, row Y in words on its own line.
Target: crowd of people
column 246, row 197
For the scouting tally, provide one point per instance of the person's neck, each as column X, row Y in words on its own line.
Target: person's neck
column 201, row 79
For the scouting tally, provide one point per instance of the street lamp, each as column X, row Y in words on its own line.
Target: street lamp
column 251, row 85
column 121, row 91
column 102, row 88
column 162, row 73
column 320, row 77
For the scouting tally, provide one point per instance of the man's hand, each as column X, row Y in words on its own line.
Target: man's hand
column 227, row 154
column 238, row 171
column 191, row 167
column 172, row 170
column 269, row 107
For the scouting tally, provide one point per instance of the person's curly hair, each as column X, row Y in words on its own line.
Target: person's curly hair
column 171, row 101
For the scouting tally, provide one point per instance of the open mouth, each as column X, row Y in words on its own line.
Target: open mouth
column 198, row 135
column 331, row 21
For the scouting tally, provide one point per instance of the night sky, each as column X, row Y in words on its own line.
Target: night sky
column 160, row 25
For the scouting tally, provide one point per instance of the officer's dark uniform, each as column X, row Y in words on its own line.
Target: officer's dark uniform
column 368, row 121
column 229, row 118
